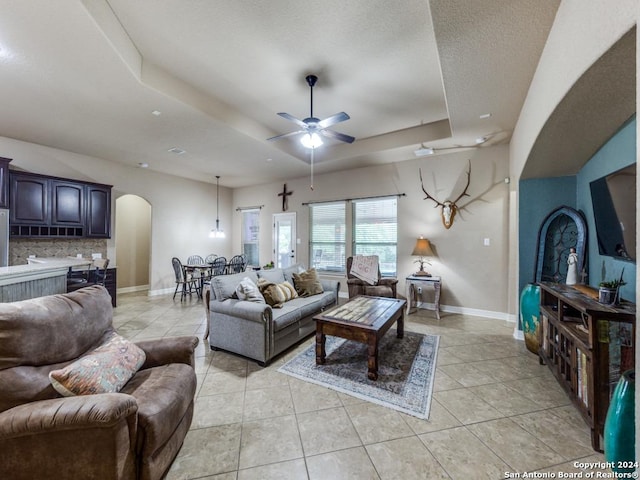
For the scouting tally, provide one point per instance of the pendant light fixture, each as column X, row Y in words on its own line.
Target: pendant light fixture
column 217, row 232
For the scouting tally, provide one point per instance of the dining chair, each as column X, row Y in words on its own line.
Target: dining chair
column 201, row 274
column 195, row 260
column 101, row 265
column 219, row 266
column 187, row 282
column 210, row 258
column 237, row 264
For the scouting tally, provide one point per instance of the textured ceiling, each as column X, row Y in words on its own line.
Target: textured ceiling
column 85, row 76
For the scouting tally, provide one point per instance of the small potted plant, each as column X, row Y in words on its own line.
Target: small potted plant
column 609, row 290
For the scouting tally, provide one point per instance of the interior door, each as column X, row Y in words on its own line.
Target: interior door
column 284, row 239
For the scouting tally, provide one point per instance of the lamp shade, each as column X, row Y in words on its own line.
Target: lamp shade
column 422, row 248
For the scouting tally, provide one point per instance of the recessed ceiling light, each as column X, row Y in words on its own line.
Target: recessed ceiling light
column 157, row 113
column 269, row 159
column 485, row 115
column 176, row 150
column 143, row 165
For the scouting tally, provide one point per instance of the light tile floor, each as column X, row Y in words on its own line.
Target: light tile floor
column 494, row 410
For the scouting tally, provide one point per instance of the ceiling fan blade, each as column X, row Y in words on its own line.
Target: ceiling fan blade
column 337, row 135
column 293, row 119
column 333, row 119
column 284, row 135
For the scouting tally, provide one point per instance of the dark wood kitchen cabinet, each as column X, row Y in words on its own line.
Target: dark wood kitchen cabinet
column 67, row 204
column 4, row 182
column 29, row 200
column 98, row 220
column 44, row 206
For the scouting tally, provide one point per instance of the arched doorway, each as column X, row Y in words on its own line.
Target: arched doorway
column 133, row 243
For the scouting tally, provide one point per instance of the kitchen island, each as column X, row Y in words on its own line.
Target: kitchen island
column 42, row 276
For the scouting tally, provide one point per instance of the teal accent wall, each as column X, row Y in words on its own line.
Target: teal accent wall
column 540, row 196
column 617, row 153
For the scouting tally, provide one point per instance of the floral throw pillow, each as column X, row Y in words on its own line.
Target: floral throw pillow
column 106, row 369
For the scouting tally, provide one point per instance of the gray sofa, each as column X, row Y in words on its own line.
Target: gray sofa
column 256, row 330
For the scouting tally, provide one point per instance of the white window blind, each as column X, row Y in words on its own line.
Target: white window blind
column 251, row 236
column 327, row 245
column 375, row 231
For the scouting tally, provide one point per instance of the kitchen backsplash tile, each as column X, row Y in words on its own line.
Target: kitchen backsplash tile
column 21, row 248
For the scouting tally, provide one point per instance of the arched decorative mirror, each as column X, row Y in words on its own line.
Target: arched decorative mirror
column 562, row 229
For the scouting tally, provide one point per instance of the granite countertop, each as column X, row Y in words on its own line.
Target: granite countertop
column 40, row 268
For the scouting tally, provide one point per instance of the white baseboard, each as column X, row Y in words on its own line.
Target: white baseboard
column 136, row 288
column 474, row 312
column 518, row 334
column 161, row 291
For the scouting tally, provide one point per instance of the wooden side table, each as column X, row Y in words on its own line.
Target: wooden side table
column 412, row 284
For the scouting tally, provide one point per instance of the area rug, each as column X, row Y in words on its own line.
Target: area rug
column 406, row 368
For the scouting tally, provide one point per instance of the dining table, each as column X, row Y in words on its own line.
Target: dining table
column 203, row 273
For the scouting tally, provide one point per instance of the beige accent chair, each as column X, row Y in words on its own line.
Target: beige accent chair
column 384, row 287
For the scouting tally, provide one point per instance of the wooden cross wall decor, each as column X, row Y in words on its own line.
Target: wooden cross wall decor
column 285, row 201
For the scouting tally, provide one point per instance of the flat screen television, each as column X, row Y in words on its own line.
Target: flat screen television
column 614, row 210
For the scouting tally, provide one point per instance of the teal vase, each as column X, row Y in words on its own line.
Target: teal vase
column 530, row 315
column 619, row 426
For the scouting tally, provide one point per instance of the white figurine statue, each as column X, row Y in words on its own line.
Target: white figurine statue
column 572, row 268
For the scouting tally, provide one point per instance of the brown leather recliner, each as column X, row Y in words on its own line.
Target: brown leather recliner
column 384, row 287
column 135, row 433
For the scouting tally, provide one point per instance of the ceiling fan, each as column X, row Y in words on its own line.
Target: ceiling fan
column 313, row 127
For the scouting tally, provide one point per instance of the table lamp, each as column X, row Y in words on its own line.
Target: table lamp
column 422, row 249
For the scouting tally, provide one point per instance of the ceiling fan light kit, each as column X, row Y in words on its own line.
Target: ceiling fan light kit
column 313, row 127
column 311, row 140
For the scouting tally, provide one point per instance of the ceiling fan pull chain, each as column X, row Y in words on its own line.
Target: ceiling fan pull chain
column 312, row 152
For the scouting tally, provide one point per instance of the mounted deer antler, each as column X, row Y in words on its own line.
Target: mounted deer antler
column 449, row 208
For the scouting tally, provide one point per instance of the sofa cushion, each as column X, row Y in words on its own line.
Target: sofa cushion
column 307, row 283
column 163, row 394
column 248, row 290
column 224, row 286
column 273, row 275
column 285, row 316
column 309, row 306
column 289, row 271
column 105, row 369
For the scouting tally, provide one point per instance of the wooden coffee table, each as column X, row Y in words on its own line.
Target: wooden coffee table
column 363, row 319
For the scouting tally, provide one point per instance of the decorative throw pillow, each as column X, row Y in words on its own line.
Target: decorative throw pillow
column 106, row 369
column 307, row 283
column 276, row 294
column 247, row 290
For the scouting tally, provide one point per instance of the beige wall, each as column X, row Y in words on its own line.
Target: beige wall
column 474, row 276
column 183, row 211
column 133, row 242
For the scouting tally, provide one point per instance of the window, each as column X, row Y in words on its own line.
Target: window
column 375, row 231
column 250, row 236
column 327, row 245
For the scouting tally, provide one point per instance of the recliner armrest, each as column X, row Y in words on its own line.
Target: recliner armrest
column 85, row 411
column 168, row 350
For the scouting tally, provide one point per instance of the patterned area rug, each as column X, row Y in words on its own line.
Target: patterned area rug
column 406, row 368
